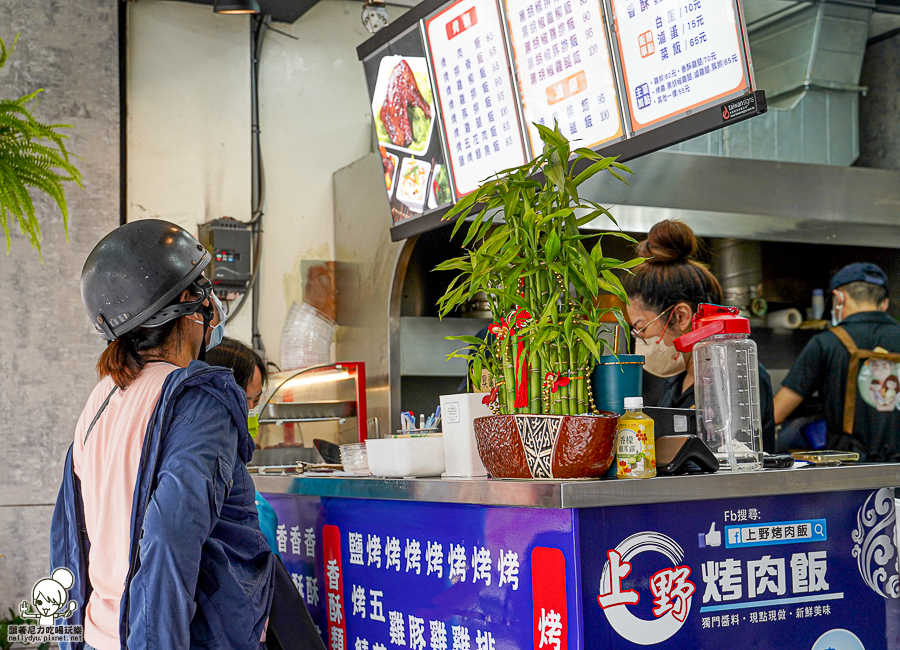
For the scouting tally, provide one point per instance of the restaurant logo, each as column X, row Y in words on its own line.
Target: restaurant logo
column 49, row 601
column 874, row 544
column 671, row 588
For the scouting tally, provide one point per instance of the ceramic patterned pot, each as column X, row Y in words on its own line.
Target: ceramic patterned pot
column 547, row 446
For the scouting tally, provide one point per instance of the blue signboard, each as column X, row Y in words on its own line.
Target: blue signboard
column 392, row 574
column 816, row 571
column 802, row 571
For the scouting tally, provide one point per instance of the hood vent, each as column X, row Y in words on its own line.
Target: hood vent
column 808, row 59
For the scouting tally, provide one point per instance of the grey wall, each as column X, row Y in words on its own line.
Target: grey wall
column 47, row 347
column 879, row 110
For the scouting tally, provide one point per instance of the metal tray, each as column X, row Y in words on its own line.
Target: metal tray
column 300, row 411
column 285, row 456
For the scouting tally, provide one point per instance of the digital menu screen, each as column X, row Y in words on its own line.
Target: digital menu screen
column 677, row 55
column 565, row 72
column 475, row 92
column 406, row 125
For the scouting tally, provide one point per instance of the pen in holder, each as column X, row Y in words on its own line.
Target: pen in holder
column 415, row 433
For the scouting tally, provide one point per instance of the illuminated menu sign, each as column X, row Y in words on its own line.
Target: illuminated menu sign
column 564, row 69
column 475, row 92
column 677, row 55
column 456, row 94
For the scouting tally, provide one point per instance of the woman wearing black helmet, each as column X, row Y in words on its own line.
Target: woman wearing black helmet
column 155, row 516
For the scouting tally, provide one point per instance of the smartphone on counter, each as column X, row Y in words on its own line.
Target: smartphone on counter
column 826, row 457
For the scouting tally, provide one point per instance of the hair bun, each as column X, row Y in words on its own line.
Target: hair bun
column 669, row 241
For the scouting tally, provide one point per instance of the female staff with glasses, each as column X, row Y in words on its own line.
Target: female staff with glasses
column 663, row 294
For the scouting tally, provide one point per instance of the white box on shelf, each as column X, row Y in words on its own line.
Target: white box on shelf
column 405, row 457
column 460, row 449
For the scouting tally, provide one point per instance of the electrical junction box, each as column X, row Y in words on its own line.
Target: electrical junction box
column 229, row 242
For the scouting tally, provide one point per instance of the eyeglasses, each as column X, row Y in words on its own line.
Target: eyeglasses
column 635, row 333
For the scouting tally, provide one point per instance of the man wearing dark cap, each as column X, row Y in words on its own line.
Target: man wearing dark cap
column 854, row 367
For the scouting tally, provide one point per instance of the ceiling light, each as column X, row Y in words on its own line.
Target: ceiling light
column 236, row 7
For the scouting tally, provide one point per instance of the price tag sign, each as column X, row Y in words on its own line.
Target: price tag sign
column 564, row 69
column 475, row 92
column 677, row 55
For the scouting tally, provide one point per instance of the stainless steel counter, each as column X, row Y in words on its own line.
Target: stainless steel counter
column 589, row 494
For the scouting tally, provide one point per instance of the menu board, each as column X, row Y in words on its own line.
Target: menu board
column 677, row 55
column 475, row 92
column 565, row 72
column 406, row 118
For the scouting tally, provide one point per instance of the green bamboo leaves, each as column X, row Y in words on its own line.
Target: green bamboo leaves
column 33, row 156
column 536, row 261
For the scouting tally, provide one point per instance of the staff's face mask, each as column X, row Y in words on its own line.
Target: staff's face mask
column 660, row 358
column 837, row 309
column 253, row 421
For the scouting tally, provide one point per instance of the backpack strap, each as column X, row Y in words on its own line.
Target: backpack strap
column 99, row 413
column 852, row 376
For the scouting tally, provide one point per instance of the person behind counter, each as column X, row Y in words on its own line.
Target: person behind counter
column 663, row 294
column 862, row 349
column 155, row 515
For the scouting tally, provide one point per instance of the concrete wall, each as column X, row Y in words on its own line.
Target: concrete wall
column 189, row 129
column 879, row 110
column 315, row 119
column 188, row 120
column 47, row 346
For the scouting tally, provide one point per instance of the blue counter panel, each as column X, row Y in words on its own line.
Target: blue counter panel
column 443, row 576
column 811, row 571
column 807, row 571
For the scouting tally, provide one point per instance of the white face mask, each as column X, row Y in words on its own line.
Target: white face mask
column 218, row 332
column 660, row 358
column 836, row 310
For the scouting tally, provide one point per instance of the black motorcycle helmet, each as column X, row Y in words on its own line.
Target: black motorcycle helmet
column 135, row 275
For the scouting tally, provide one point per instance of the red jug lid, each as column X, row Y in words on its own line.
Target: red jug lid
column 712, row 320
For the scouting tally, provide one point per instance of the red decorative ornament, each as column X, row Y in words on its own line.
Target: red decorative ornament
column 558, row 381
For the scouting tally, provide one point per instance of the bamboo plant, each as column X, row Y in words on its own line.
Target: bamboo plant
column 33, row 155
column 541, row 278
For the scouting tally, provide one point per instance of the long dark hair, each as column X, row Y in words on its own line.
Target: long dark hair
column 241, row 358
column 672, row 274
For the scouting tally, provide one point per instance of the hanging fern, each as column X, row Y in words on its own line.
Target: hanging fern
column 33, row 155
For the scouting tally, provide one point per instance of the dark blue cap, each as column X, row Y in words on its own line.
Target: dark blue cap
column 859, row 272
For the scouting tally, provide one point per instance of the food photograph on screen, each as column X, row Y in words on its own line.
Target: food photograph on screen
column 405, row 116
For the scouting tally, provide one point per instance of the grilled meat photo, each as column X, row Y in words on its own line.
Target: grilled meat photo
column 402, row 92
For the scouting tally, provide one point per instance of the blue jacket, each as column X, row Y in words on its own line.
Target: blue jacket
column 201, row 573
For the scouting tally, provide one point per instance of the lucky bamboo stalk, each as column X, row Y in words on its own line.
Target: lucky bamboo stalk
column 545, row 368
column 573, row 395
column 509, row 377
column 582, row 399
column 534, row 388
